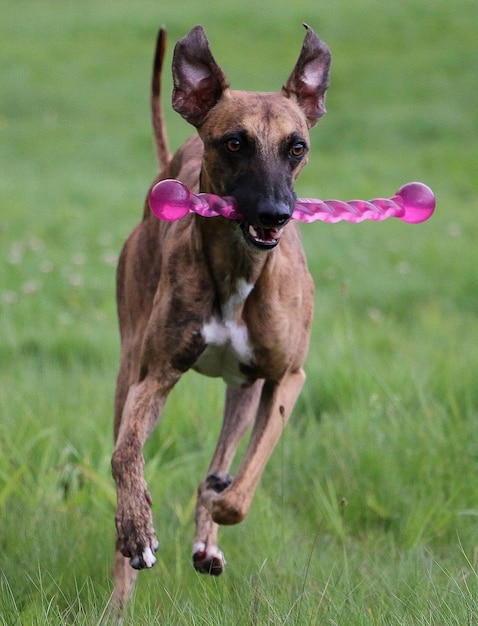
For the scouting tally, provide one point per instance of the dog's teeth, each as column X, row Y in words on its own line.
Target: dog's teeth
column 276, row 233
column 252, row 231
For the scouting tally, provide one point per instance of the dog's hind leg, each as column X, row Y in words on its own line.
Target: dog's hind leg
column 239, row 413
column 124, row 581
column 230, row 504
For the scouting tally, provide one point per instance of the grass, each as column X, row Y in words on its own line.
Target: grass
column 367, row 512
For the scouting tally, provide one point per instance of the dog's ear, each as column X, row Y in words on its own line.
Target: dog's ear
column 198, row 80
column 310, row 77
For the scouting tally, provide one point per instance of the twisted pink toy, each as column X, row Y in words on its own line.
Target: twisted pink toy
column 170, row 200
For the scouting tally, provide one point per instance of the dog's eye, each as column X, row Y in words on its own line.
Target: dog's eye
column 297, row 150
column 233, row 145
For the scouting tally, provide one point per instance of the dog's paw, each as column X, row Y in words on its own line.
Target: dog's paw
column 147, row 558
column 136, row 538
column 140, row 551
column 208, row 560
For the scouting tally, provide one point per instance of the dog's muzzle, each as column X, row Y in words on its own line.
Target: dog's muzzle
column 267, row 231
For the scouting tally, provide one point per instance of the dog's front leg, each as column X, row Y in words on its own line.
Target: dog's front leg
column 230, row 505
column 136, row 538
column 239, row 413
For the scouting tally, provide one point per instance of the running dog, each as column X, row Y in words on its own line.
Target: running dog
column 228, row 298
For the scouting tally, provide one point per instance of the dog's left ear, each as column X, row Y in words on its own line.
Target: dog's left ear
column 310, row 77
column 199, row 82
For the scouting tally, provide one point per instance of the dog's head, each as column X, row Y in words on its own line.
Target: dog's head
column 255, row 144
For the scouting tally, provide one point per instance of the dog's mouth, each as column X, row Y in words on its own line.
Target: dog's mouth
column 260, row 237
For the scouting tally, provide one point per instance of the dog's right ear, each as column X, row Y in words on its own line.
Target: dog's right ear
column 198, row 80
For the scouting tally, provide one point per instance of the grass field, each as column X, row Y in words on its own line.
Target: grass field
column 367, row 513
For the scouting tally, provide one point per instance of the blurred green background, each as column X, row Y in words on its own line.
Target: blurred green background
column 387, row 422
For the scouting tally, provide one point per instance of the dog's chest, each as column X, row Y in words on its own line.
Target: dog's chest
column 227, row 341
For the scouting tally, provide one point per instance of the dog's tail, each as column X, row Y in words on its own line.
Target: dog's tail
column 160, row 136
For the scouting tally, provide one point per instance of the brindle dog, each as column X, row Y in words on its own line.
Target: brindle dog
column 226, row 298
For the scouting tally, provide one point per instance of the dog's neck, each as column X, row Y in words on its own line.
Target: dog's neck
column 230, row 258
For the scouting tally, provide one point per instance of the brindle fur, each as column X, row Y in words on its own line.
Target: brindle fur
column 174, row 278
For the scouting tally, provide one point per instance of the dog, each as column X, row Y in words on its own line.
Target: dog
column 227, row 298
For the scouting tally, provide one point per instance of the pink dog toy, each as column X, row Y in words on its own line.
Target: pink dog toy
column 170, row 200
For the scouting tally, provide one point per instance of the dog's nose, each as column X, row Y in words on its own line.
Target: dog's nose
column 274, row 215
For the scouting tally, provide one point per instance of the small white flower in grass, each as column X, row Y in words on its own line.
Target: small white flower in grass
column 375, row 315
column 110, row 258
column 76, row 280
column 65, row 319
column 30, row 287
column 78, row 258
column 46, row 267
column 105, row 240
column 99, row 316
column 35, row 244
column 15, row 255
column 454, row 230
column 9, row 297
column 403, row 268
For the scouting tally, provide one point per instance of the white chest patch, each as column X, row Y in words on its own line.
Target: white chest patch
column 227, row 341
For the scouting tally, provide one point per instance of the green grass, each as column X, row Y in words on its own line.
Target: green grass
column 367, row 512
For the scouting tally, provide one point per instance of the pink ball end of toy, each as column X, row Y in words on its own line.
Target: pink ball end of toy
column 418, row 202
column 169, row 200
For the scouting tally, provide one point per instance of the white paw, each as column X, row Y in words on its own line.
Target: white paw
column 208, row 559
column 147, row 559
